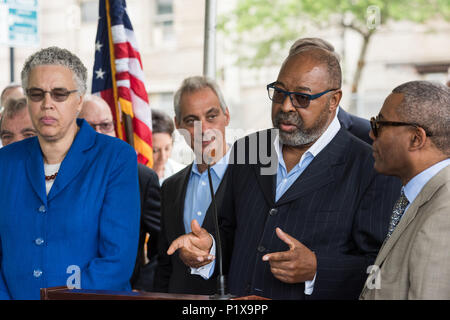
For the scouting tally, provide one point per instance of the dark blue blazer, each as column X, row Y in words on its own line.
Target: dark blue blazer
column 357, row 126
column 172, row 275
column 339, row 208
column 150, row 194
column 90, row 218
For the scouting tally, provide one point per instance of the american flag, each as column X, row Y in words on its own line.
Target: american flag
column 119, row 77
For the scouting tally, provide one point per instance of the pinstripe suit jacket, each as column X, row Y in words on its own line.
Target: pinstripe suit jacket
column 339, row 207
column 415, row 261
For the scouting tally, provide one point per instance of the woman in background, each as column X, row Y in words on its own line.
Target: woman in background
column 162, row 131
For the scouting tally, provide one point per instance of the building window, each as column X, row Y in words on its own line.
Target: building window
column 89, row 11
column 164, row 32
column 164, row 7
column 162, row 101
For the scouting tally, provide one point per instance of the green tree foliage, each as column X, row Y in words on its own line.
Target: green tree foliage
column 262, row 30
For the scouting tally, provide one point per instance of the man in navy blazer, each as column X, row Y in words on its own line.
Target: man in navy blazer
column 357, row 126
column 305, row 213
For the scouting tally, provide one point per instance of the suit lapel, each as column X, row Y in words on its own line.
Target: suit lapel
column 35, row 169
column 267, row 184
column 208, row 222
column 266, row 166
column 179, row 198
column 316, row 175
column 75, row 158
column 320, row 171
column 344, row 119
column 424, row 196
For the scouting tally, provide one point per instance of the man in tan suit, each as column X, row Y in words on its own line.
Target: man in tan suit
column 412, row 141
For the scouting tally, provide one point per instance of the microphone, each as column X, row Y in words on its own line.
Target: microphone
column 221, row 282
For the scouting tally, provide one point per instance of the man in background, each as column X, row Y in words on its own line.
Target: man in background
column 98, row 114
column 13, row 91
column 15, row 122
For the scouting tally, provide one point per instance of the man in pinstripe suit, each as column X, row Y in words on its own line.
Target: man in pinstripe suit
column 309, row 222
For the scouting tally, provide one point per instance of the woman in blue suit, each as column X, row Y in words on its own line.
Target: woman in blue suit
column 69, row 198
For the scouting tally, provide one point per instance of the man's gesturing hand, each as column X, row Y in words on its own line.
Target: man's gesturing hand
column 298, row 264
column 194, row 246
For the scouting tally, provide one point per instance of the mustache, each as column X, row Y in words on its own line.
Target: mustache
column 292, row 118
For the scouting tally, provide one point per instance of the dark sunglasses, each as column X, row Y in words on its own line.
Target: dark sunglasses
column 57, row 94
column 376, row 124
column 298, row 100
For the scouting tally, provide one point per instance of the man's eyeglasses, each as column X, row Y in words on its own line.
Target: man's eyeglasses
column 298, row 100
column 57, row 94
column 104, row 127
column 376, row 124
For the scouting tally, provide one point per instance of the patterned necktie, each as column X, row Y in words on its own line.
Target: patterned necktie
column 399, row 209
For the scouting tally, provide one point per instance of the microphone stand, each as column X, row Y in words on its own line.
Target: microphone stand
column 221, row 283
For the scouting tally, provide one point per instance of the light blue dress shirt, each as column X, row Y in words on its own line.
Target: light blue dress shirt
column 198, row 200
column 286, row 179
column 415, row 185
column 198, row 194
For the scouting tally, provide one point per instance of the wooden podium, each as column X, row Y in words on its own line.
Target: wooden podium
column 63, row 293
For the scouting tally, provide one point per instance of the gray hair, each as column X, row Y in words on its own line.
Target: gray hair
column 193, row 84
column 312, row 42
column 13, row 107
column 12, row 85
column 323, row 52
column 427, row 104
column 60, row 57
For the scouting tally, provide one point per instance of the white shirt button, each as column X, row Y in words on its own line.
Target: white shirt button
column 203, row 183
column 199, row 213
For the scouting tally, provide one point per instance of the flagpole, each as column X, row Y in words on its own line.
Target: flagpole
column 209, row 46
column 113, row 73
column 127, row 121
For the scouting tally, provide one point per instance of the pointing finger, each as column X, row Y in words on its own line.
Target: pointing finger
column 174, row 246
column 286, row 238
column 277, row 256
column 196, row 229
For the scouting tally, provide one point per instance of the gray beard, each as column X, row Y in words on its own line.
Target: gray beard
column 300, row 136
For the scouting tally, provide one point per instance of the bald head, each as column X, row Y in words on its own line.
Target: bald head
column 11, row 91
column 320, row 55
column 98, row 114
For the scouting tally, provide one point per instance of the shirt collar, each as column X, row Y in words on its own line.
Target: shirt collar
column 218, row 168
column 415, row 185
column 318, row 146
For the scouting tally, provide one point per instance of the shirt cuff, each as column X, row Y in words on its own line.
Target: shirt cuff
column 309, row 286
column 207, row 270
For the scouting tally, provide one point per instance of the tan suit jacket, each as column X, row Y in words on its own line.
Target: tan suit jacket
column 414, row 263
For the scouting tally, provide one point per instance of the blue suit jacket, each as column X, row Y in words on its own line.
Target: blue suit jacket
column 89, row 219
column 339, row 208
column 357, row 126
